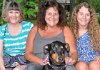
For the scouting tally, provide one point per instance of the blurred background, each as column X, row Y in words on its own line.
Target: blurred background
column 30, row 8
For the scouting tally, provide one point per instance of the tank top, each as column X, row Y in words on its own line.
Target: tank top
column 40, row 42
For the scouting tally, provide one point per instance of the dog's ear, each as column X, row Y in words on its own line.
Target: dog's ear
column 67, row 49
column 46, row 49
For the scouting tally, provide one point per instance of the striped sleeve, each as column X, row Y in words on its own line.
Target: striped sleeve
column 31, row 25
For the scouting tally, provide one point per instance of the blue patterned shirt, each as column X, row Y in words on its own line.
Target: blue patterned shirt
column 85, row 49
column 14, row 45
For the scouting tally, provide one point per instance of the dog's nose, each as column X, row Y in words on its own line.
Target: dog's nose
column 60, row 59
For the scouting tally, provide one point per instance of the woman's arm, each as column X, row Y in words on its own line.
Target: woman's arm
column 29, row 47
column 1, row 56
column 70, row 39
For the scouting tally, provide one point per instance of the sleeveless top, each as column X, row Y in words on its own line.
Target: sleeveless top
column 40, row 42
column 14, row 45
column 85, row 49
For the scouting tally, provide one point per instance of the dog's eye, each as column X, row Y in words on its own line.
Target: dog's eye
column 53, row 51
column 61, row 47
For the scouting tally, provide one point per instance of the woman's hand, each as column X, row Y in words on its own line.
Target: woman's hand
column 69, row 61
column 2, row 68
column 46, row 61
column 97, row 59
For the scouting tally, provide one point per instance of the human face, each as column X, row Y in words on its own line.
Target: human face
column 83, row 16
column 13, row 16
column 52, row 16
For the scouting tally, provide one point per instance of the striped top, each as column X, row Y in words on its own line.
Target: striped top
column 14, row 45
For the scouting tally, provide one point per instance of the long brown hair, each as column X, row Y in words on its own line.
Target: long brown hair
column 93, row 26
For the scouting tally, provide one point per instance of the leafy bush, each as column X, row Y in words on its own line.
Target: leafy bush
column 98, row 16
column 29, row 8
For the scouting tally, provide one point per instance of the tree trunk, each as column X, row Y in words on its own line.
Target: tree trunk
column 4, row 2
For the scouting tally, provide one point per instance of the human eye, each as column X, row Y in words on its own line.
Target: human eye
column 88, row 14
column 17, row 12
column 56, row 14
column 10, row 12
column 49, row 13
column 81, row 13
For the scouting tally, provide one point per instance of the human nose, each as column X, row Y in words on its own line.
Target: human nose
column 52, row 16
column 13, row 14
column 84, row 16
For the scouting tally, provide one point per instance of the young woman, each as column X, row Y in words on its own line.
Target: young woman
column 87, row 32
column 13, row 37
column 51, row 27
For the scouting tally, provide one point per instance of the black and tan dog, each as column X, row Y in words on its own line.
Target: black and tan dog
column 57, row 52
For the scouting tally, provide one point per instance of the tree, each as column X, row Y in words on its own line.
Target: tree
column 1, row 4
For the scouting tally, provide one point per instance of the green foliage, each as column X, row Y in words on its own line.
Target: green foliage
column 98, row 16
column 30, row 9
column 94, row 3
column 1, row 21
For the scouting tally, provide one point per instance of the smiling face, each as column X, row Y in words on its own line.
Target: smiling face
column 13, row 16
column 52, row 16
column 83, row 16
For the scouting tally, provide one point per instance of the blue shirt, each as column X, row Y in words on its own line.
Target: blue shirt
column 14, row 45
column 85, row 49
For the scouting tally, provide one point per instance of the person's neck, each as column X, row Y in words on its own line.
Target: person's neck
column 13, row 24
column 82, row 31
column 51, row 28
column 14, row 29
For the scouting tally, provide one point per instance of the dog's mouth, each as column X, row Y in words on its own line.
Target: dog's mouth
column 58, row 59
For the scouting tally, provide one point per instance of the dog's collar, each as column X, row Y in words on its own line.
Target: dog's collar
column 57, row 67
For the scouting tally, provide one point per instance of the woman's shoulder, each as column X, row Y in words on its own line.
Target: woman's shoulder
column 27, row 23
column 2, row 27
column 2, row 31
column 67, row 28
column 34, row 29
column 68, row 31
